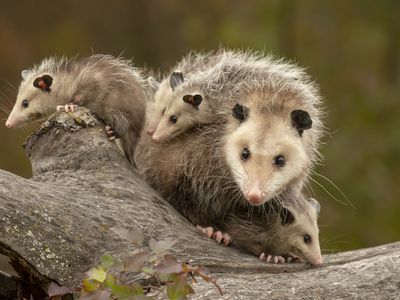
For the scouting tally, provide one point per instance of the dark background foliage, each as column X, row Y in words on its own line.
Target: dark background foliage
column 351, row 48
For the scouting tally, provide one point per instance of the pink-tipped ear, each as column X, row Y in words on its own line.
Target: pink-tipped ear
column 44, row 83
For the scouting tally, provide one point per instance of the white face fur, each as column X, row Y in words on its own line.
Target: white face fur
column 31, row 104
column 266, row 154
column 301, row 234
column 180, row 114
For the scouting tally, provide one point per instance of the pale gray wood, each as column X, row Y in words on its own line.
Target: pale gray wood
column 55, row 225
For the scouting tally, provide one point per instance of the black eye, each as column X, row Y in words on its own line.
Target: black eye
column 245, row 155
column 280, row 160
column 307, row 239
column 25, row 103
column 173, row 119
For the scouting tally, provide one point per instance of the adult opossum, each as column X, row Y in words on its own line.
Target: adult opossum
column 264, row 150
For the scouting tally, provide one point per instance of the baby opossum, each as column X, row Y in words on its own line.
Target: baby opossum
column 200, row 98
column 277, row 233
column 110, row 87
column 264, row 150
column 170, row 89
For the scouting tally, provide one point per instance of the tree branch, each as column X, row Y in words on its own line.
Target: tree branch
column 55, row 225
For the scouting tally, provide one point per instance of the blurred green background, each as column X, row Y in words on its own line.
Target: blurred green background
column 351, row 48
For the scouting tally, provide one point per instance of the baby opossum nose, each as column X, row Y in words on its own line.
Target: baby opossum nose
column 254, row 196
column 150, row 131
column 318, row 262
column 8, row 124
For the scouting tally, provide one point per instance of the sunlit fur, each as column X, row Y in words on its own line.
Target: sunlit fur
column 200, row 170
column 110, row 87
column 222, row 78
column 258, row 232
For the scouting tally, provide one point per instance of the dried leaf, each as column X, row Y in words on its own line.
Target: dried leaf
column 131, row 234
column 55, row 290
column 161, row 246
column 136, row 262
column 168, row 264
column 97, row 274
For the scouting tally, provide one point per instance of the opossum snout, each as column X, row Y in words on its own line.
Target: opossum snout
column 254, row 196
column 150, row 131
column 318, row 262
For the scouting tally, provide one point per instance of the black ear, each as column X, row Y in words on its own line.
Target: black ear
column 240, row 112
column 176, row 79
column 286, row 216
column 301, row 120
column 195, row 100
column 44, row 83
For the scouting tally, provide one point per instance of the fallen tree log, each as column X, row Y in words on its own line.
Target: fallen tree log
column 54, row 227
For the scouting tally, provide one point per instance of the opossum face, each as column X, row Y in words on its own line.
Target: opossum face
column 33, row 100
column 182, row 113
column 162, row 97
column 299, row 230
column 266, row 155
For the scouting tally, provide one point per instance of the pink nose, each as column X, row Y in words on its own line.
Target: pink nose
column 318, row 262
column 150, row 131
column 254, row 197
column 8, row 124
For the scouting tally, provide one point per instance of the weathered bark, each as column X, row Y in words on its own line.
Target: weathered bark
column 54, row 227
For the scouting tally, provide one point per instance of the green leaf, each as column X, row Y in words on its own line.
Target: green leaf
column 131, row 234
column 110, row 281
column 124, row 292
column 179, row 289
column 107, row 261
column 98, row 295
column 148, row 271
column 97, row 274
column 165, row 277
column 161, row 246
column 136, row 262
column 90, row 285
column 168, row 264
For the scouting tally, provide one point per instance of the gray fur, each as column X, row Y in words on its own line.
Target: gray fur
column 110, row 87
column 191, row 171
column 262, row 231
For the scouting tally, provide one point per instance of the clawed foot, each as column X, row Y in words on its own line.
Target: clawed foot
column 276, row 259
column 217, row 235
column 110, row 133
column 67, row 107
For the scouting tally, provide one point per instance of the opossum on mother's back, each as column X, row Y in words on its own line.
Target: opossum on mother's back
column 110, row 87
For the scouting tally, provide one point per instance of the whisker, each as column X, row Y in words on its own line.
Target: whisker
column 326, row 191
column 336, row 187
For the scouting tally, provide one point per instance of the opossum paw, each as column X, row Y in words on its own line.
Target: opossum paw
column 208, row 231
column 110, row 133
column 67, row 107
column 276, row 259
column 221, row 237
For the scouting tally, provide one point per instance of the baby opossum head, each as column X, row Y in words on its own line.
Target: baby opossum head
column 34, row 99
column 176, row 110
column 266, row 152
column 297, row 233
